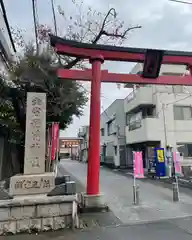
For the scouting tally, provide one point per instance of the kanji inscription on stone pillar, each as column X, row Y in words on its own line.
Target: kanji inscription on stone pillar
column 34, row 162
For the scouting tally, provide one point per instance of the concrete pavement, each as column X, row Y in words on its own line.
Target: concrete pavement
column 133, row 223
column 156, row 201
column 166, row 229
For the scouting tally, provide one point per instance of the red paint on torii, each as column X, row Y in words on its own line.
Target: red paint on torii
column 97, row 54
column 86, row 75
column 111, row 53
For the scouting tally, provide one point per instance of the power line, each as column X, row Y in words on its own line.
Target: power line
column 54, row 16
column 178, row 1
column 172, row 103
column 179, row 100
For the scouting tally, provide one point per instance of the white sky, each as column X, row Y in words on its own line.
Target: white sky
column 164, row 25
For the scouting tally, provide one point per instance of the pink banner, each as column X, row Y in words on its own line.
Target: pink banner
column 55, row 142
column 49, row 141
column 177, row 163
column 57, row 137
column 138, row 165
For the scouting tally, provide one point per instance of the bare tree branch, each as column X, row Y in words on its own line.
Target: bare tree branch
column 97, row 38
column 120, row 35
column 101, row 33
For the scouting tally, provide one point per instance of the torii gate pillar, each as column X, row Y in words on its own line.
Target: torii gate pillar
column 94, row 131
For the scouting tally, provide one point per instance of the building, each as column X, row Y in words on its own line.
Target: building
column 69, row 148
column 8, row 152
column 157, row 116
column 113, row 135
column 84, row 144
column 7, row 47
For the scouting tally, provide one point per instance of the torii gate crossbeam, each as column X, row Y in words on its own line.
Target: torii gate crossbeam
column 86, row 75
column 96, row 55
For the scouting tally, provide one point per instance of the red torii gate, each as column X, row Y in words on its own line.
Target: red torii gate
column 96, row 55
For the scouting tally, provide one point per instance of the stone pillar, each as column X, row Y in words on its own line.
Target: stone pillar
column 34, row 180
column 35, row 136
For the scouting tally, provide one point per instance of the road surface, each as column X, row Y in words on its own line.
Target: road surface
column 173, row 230
column 155, row 204
column 156, row 218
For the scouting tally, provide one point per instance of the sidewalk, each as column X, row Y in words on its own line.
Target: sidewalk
column 184, row 183
column 171, row 230
column 119, row 196
column 89, row 220
column 156, row 201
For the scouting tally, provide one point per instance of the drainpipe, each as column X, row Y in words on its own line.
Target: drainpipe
column 118, row 147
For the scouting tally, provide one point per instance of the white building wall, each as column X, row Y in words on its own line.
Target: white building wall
column 176, row 130
column 165, row 68
column 154, row 129
column 6, row 44
column 4, row 36
column 84, row 144
column 116, row 113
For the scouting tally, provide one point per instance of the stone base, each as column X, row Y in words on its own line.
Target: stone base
column 32, row 184
column 37, row 213
column 93, row 203
column 62, row 179
column 4, row 195
column 68, row 188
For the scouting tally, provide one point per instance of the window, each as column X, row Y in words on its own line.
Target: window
column 127, row 118
column 102, row 132
column 131, row 96
column 171, row 74
column 148, row 112
column 111, row 128
column 135, row 121
column 182, row 112
column 185, row 149
column 178, row 89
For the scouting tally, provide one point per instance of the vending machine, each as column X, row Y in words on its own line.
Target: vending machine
column 160, row 162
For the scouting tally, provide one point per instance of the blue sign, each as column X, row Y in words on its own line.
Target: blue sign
column 160, row 162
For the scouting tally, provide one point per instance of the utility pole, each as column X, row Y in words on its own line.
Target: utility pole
column 35, row 24
column 54, row 16
column 164, row 124
column 168, row 150
column 55, row 23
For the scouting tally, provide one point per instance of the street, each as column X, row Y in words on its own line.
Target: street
column 172, row 230
column 155, row 200
column 157, row 217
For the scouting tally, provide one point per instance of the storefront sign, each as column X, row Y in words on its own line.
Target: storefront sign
column 160, row 155
column 69, row 143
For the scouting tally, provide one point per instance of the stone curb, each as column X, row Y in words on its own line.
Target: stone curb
column 18, row 202
column 93, row 209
